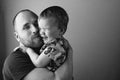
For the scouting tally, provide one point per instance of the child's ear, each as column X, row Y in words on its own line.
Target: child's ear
column 16, row 36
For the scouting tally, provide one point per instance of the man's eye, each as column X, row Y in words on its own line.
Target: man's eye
column 26, row 27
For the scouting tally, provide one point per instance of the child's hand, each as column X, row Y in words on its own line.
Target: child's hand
column 50, row 52
column 23, row 48
column 29, row 50
column 54, row 52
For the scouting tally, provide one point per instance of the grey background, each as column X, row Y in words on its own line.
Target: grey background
column 93, row 32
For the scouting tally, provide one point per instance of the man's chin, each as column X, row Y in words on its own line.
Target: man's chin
column 37, row 40
column 38, row 43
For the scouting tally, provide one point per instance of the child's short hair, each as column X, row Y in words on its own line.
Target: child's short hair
column 59, row 14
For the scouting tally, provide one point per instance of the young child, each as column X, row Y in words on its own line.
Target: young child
column 53, row 23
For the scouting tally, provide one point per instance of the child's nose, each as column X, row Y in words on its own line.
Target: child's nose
column 42, row 32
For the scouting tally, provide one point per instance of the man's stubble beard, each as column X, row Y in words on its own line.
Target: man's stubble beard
column 30, row 42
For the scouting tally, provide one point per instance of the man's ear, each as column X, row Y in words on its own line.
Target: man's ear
column 16, row 36
column 62, row 31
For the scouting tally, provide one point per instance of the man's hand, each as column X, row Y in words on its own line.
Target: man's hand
column 65, row 72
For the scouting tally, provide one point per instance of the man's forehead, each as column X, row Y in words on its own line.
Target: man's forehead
column 25, row 17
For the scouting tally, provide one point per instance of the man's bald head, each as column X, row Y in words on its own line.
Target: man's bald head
column 26, row 29
column 25, row 12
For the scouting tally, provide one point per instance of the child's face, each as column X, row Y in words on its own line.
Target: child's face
column 48, row 29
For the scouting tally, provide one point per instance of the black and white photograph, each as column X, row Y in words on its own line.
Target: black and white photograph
column 59, row 39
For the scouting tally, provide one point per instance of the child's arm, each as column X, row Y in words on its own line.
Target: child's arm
column 38, row 60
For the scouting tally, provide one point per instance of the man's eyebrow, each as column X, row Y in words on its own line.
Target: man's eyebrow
column 26, row 24
column 34, row 21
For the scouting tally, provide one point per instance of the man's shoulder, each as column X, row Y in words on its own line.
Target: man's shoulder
column 13, row 57
column 16, row 53
column 17, row 64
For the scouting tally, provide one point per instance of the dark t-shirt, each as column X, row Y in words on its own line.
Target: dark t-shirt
column 17, row 65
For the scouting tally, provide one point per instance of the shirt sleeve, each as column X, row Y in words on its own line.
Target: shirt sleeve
column 17, row 66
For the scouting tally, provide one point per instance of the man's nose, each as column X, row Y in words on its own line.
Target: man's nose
column 34, row 29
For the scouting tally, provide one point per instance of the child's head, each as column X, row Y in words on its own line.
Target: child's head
column 53, row 23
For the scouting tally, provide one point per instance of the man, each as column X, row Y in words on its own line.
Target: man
column 18, row 65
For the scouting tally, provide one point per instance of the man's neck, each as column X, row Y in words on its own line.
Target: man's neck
column 37, row 50
column 23, row 47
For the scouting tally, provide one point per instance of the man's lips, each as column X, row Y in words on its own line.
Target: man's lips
column 37, row 36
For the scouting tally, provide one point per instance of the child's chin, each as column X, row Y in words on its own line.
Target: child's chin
column 45, row 41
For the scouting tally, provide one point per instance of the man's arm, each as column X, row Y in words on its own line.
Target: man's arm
column 39, row 74
column 65, row 72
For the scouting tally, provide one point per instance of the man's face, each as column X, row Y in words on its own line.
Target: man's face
column 27, row 31
column 48, row 29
